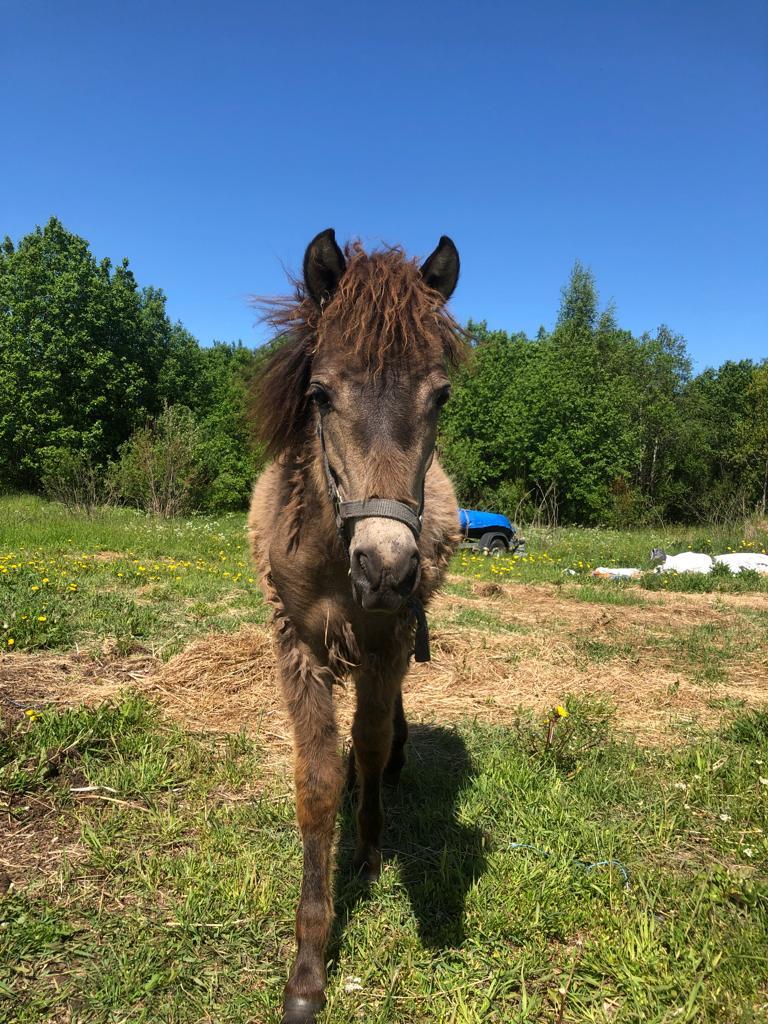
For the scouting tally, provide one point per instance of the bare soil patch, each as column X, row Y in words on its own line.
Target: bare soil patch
column 107, row 556
column 35, row 838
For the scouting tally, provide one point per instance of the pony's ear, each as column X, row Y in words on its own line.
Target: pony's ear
column 324, row 266
column 441, row 269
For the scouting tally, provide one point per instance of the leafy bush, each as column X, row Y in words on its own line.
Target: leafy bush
column 160, row 469
column 73, row 479
column 175, row 464
column 229, row 467
column 510, row 498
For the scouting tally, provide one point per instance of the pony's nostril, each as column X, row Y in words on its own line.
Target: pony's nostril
column 368, row 568
column 408, row 582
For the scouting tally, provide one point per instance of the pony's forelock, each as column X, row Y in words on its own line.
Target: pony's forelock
column 382, row 313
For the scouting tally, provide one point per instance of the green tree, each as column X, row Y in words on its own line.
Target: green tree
column 77, row 343
column 87, row 356
column 586, row 415
column 579, row 300
column 751, row 439
column 715, row 411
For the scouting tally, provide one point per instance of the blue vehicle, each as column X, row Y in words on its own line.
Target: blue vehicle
column 489, row 531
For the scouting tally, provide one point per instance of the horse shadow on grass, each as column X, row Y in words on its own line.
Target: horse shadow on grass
column 439, row 857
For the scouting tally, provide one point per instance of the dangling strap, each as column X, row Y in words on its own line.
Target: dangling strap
column 421, row 648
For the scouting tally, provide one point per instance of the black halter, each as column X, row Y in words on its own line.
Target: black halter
column 385, row 508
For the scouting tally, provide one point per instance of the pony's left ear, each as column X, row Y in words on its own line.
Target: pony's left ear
column 441, row 269
column 324, row 266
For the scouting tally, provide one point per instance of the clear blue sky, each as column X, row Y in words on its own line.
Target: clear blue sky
column 209, row 141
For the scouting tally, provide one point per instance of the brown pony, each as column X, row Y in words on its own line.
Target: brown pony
column 351, row 526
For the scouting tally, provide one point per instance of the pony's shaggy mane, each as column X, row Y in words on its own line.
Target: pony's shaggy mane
column 382, row 313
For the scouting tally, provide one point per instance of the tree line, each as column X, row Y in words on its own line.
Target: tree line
column 589, row 424
column 100, row 393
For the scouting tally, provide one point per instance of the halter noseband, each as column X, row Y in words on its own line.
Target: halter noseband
column 384, row 508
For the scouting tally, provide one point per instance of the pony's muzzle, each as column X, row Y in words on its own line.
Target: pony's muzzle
column 385, row 564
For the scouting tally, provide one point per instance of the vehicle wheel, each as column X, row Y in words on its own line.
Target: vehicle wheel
column 493, row 542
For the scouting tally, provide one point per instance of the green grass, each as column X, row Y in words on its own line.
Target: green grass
column 156, row 872
column 67, row 579
column 479, row 618
column 601, row 650
column 569, row 554
column 176, row 903
column 621, row 594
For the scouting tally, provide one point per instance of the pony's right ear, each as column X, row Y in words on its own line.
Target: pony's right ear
column 324, row 266
column 441, row 269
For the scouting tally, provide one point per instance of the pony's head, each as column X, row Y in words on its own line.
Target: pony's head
column 364, row 370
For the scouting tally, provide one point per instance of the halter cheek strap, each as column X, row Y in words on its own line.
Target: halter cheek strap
column 384, row 508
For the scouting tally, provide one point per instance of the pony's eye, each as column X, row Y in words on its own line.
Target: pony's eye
column 442, row 396
column 319, row 396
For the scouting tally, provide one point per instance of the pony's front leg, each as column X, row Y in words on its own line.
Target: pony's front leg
column 318, row 775
column 373, row 729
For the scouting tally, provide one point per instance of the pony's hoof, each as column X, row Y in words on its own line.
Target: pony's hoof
column 297, row 1010
column 368, row 867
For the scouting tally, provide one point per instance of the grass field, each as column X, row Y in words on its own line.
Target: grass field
column 149, row 861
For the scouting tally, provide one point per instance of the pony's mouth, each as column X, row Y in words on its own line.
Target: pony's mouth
column 386, row 592
column 383, row 599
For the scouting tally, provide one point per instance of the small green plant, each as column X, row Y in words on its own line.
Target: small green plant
column 568, row 732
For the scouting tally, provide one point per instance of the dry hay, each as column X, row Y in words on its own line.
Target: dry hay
column 76, row 676
column 226, row 682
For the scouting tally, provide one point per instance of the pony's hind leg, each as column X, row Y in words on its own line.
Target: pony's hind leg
column 396, row 761
column 373, row 731
column 318, row 776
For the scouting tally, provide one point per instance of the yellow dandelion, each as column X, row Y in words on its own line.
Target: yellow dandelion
column 11, row 641
column 561, row 712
